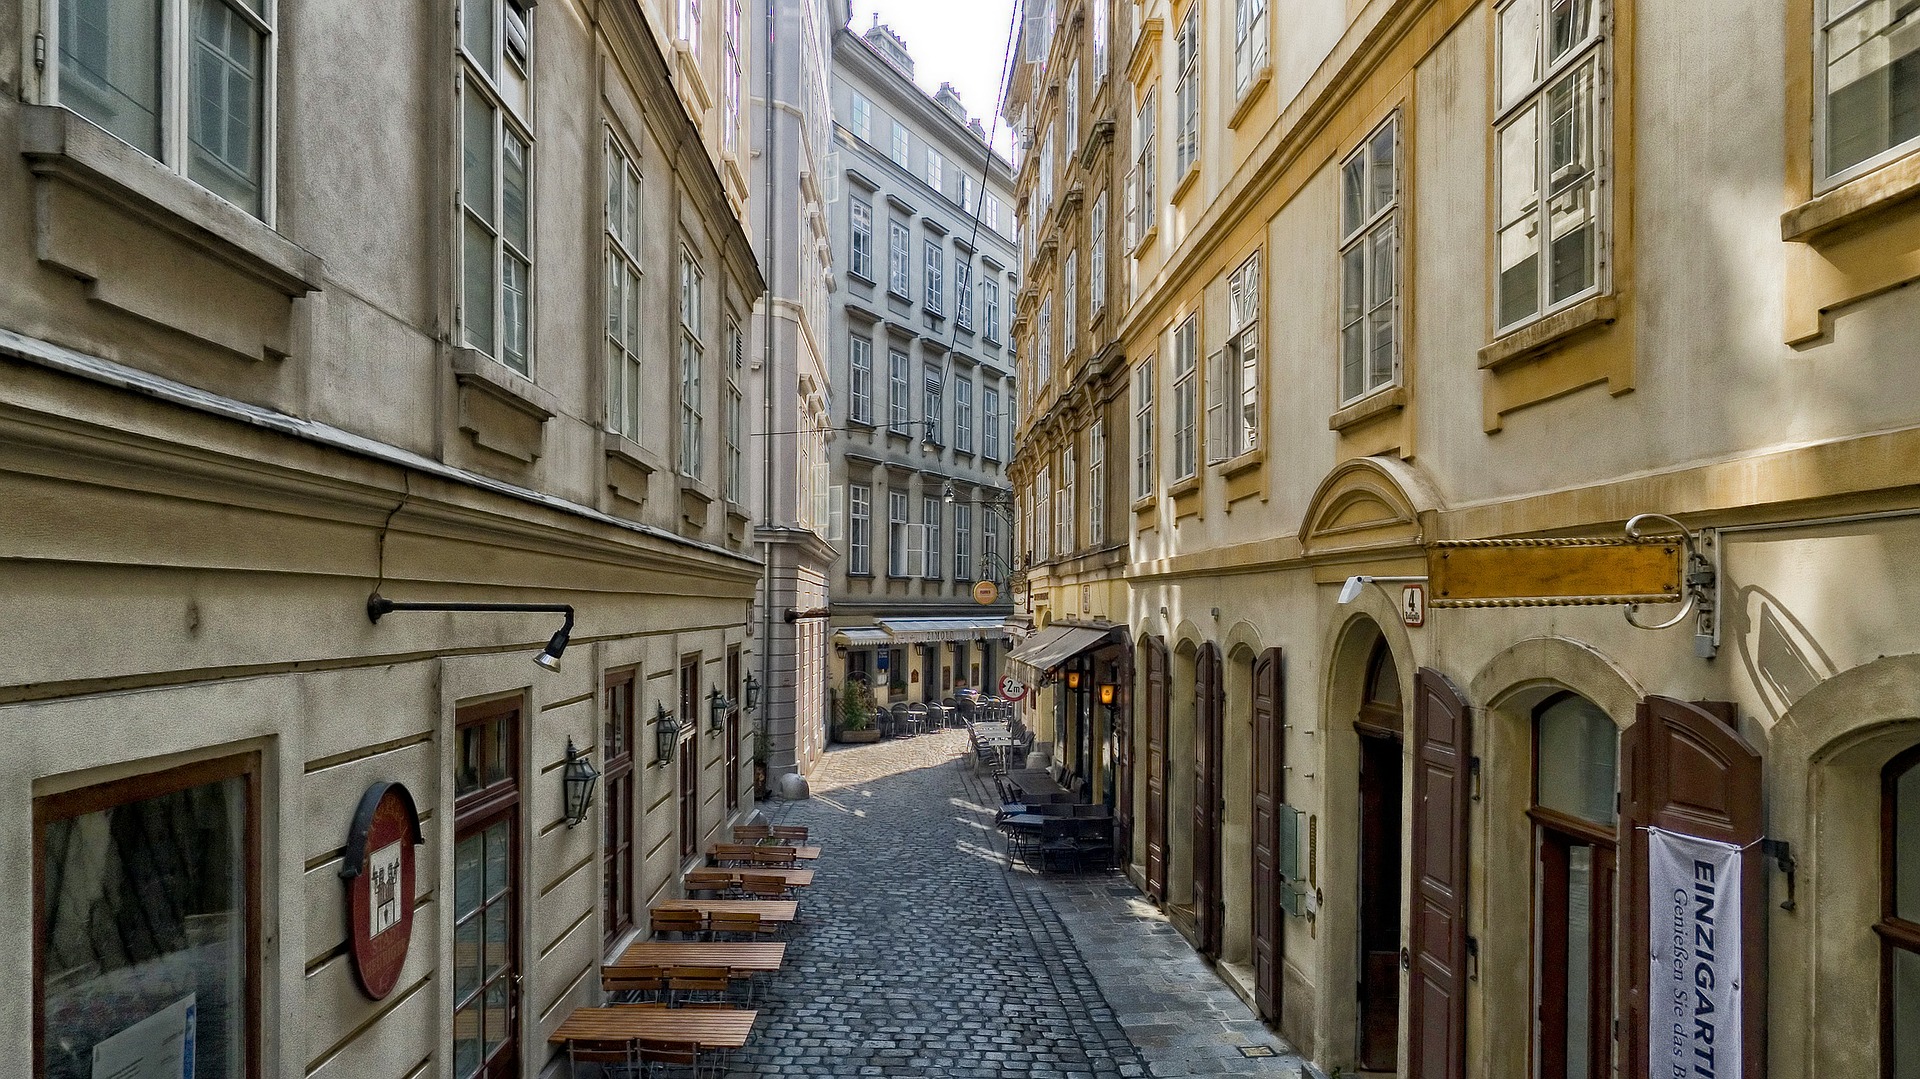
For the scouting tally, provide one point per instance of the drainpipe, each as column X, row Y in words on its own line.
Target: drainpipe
column 766, row 409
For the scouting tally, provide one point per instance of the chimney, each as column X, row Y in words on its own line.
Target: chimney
column 890, row 47
column 979, row 129
column 949, row 99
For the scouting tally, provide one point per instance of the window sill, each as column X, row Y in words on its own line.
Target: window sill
column 500, row 409
column 1186, row 182
column 1184, row 487
column 692, row 78
column 1371, row 407
column 862, row 278
column 695, row 500
column 895, row 294
column 1856, row 200
column 630, row 467
column 1145, row 241
column 61, row 144
column 1536, row 338
column 1235, row 467
column 1256, row 89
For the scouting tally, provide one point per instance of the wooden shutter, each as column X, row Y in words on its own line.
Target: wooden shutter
column 1437, row 1009
column 1216, row 376
column 1208, row 717
column 1686, row 769
column 1157, row 769
column 1269, row 755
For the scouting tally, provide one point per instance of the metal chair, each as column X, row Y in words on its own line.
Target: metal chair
column 790, row 833
column 684, row 924
column 698, row 985
column 765, row 886
column 610, row 1056
column 917, row 718
column 670, row 1060
column 751, row 833
column 902, row 720
column 633, row 985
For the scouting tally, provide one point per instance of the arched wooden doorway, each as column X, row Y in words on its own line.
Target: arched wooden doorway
column 1381, row 725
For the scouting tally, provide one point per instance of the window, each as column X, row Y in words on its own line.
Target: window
column 689, row 22
column 990, row 309
column 936, row 279
column 860, row 219
column 990, row 422
column 862, row 116
column 1576, row 760
column 1072, row 110
column 1868, row 63
column 691, row 360
column 622, row 814
column 1249, row 42
column 1186, row 94
column 899, row 144
column 962, row 293
column 730, row 75
column 735, row 693
column 1369, row 265
column 1186, row 401
column 993, row 212
column 1043, row 345
column 896, row 534
column 735, row 489
column 899, row 273
column 626, row 375
column 1899, row 927
column 1144, row 475
column 930, row 387
column 486, row 892
column 936, row 169
column 963, row 415
column 962, row 542
column 969, row 194
column 1042, row 514
column 859, row 528
column 1233, row 385
column 1066, row 506
column 1101, row 33
column 899, row 405
column 120, row 66
column 496, row 246
column 989, row 541
column 1097, row 255
column 860, row 384
column 1140, row 186
column 1069, row 306
column 148, row 912
column 1097, row 484
column 1547, row 125
column 689, row 757
column 931, row 515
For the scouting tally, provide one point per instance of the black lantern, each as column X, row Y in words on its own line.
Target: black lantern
column 1073, row 679
column 717, row 709
column 578, row 779
column 666, row 732
column 1107, row 692
column 753, row 693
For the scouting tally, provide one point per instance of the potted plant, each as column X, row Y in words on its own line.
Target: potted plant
column 854, row 723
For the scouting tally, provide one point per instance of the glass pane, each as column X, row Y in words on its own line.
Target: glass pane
column 466, row 1042
column 1353, row 351
column 515, row 275
column 1519, row 166
column 1906, row 845
column 499, row 734
column 476, row 173
column 1353, row 198
column 499, row 852
column 1571, row 219
column 1569, row 24
column 1579, row 960
column 1873, row 82
column 224, row 122
column 513, row 191
column 469, row 884
column 1579, row 750
column 1905, row 1006
column 1380, row 169
column 1381, row 268
column 498, row 935
column 1519, row 271
column 1519, row 49
column 110, row 66
column 466, row 770
column 146, row 923
column 499, row 1016
column 477, row 301
column 1570, row 129
column 476, row 32
column 633, row 310
column 466, row 958
column 1353, row 285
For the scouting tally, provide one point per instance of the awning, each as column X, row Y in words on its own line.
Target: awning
column 935, row 630
column 861, row 636
column 1055, row 645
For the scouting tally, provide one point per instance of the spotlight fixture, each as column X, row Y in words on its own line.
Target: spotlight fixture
column 1351, row 590
column 577, row 782
column 379, row 606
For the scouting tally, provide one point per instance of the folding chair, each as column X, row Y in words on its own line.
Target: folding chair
column 611, row 1056
column 775, row 858
column 670, row 1060
column 685, row 924
column 725, row 854
column 734, row 925
column 761, row 886
column 790, row 833
column 632, row 985
column 711, row 883
column 699, row 985
column 751, row 833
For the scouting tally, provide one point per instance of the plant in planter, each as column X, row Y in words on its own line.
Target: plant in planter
column 854, row 723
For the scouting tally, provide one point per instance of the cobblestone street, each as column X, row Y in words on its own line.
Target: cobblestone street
column 920, row 954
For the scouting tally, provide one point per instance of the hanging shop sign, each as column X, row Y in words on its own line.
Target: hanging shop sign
column 1693, row 1007
column 985, row 593
column 1582, row 571
column 378, row 869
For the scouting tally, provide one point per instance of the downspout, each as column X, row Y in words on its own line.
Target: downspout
column 766, row 411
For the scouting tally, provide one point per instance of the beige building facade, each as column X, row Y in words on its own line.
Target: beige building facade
column 1406, row 274
column 310, row 304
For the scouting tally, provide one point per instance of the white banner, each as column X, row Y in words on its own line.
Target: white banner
column 1693, row 999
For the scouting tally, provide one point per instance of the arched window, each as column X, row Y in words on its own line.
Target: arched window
column 1575, row 814
column 1380, row 710
column 1899, row 926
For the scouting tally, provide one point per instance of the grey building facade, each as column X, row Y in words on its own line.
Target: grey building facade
column 923, row 232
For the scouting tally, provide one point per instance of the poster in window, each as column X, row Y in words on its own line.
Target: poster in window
column 378, row 870
column 157, row 1047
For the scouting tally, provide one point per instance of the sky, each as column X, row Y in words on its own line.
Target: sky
column 963, row 42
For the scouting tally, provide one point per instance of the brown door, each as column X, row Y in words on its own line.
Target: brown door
column 1208, row 721
column 486, row 893
column 1269, row 756
column 1156, row 656
column 1437, row 930
column 1123, row 764
column 1380, row 775
column 1684, row 768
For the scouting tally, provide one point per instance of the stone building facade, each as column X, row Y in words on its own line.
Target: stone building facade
column 310, row 303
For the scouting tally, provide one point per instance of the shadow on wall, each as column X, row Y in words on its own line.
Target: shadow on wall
column 1781, row 655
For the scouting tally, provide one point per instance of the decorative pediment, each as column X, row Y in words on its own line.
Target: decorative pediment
column 1368, row 505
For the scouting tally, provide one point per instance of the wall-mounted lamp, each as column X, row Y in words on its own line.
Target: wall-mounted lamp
column 666, row 734
column 717, row 709
column 1351, row 590
column 1108, row 692
column 753, row 693
column 577, row 781
column 1073, row 679
column 378, row 606
column 947, row 493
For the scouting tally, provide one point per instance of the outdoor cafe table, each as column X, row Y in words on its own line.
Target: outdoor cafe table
column 709, row 1028
column 742, row 958
column 1035, row 782
column 798, row 878
column 805, row 854
column 769, row 910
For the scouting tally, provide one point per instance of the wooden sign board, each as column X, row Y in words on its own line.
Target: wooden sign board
column 985, row 593
column 1553, row 573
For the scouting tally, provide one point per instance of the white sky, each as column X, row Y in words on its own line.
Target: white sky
column 963, row 42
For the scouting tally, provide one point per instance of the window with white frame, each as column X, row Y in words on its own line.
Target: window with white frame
column 936, row 170
column 1072, row 110
column 860, row 380
column 930, row 514
column 962, row 292
column 899, row 386
column 1249, row 42
column 735, row 477
column 990, row 422
column 992, row 215
column 1145, row 475
column 193, row 94
column 1141, row 189
column 963, row 415
column 689, row 22
column 1867, row 67
column 931, row 385
column 1070, row 306
column 897, row 533
column 1043, row 345
column 1547, row 134
column 1233, row 385
column 899, row 146
column 860, row 223
column 1370, row 264
column 1066, row 507
column 1041, row 543
column 496, row 147
column 1186, row 397
column 730, row 78
column 862, row 115
column 989, row 540
column 692, row 436
column 990, row 309
column 935, row 279
column 1097, row 484
column 859, row 528
column 1043, row 181
column 899, row 271
column 1102, row 31
column 1097, row 255
column 626, row 375
column 1186, row 146
column 962, row 542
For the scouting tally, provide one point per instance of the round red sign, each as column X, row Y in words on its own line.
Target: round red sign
column 378, row 868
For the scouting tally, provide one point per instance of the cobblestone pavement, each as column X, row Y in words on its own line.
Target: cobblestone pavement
column 920, row 954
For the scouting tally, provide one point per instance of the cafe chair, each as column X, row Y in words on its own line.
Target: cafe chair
column 678, row 924
column 751, row 833
column 733, row 925
column 732, row 854
column 671, row 1060
column 763, row 886
column 607, row 1056
column 699, row 985
column 633, row 985
column 790, row 833
column 774, row 858
column 711, row 883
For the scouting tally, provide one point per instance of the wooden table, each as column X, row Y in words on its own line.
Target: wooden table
column 805, row 854
column 1034, row 782
column 748, row 958
column 769, row 910
column 799, row 878
column 709, row 1028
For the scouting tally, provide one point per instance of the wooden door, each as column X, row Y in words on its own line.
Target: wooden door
column 1379, row 856
column 1209, row 717
column 1686, row 769
column 1123, row 717
column 486, row 893
column 1437, row 930
column 1269, row 759
column 1156, row 656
